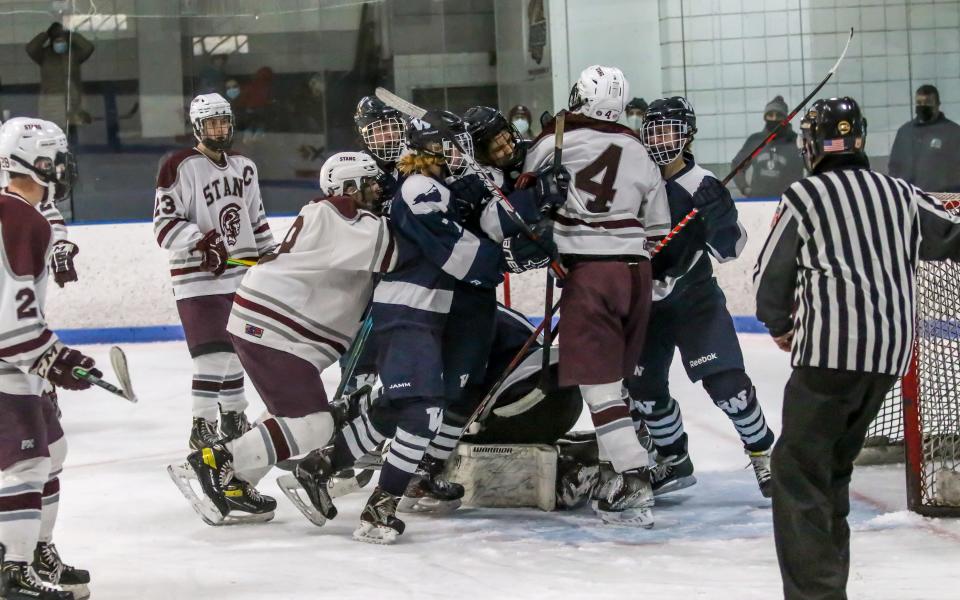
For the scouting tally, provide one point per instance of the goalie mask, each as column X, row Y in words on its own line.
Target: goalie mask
column 39, row 149
column 600, row 93
column 496, row 141
column 212, row 120
column 668, row 127
column 356, row 173
column 381, row 130
column 832, row 126
column 426, row 138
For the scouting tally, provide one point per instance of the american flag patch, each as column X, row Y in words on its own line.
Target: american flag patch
column 253, row 330
column 835, row 145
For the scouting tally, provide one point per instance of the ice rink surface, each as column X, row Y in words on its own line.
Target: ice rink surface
column 122, row 518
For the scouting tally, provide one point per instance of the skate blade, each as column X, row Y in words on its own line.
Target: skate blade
column 245, row 518
column 427, row 505
column 292, row 489
column 182, row 476
column 372, row 534
column 631, row 517
column 677, row 485
column 80, row 591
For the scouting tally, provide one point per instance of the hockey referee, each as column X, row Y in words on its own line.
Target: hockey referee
column 835, row 287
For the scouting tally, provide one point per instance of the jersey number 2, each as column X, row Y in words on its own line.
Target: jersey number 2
column 603, row 192
column 26, row 298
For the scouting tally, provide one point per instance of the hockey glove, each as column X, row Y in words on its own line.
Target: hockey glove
column 470, row 195
column 712, row 199
column 56, row 366
column 61, row 262
column 213, row 253
column 551, row 188
column 520, row 253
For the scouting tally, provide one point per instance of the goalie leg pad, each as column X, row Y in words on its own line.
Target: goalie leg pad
column 517, row 475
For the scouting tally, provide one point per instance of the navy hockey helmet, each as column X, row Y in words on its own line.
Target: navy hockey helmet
column 381, row 129
column 832, row 126
column 497, row 141
column 428, row 137
column 668, row 126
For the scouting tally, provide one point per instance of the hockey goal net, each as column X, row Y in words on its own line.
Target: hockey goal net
column 920, row 419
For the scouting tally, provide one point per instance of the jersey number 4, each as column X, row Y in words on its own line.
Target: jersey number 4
column 605, row 168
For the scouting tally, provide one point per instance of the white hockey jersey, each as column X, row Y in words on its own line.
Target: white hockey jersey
column 308, row 298
column 53, row 216
column 616, row 198
column 25, row 243
column 195, row 195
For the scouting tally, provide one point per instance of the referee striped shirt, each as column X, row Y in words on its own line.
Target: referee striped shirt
column 839, row 265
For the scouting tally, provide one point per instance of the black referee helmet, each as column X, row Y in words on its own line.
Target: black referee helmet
column 832, row 126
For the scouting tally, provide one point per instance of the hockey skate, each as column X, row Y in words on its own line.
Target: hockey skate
column 605, row 475
column 203, row 434
column 671, row 473
column 18, row 581
column 627, row 500
column 578, row 470
column 378, row 521
column 51, row 569
column 760, row 461
column 242, row 497
column 233, row 424
column 428, row 492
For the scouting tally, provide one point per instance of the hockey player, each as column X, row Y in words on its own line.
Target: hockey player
column 290, row 322
column 499, row 145
column 35, row 157
column 209, row 209
column 615, row 202
column 689, row 309
column 381, row 131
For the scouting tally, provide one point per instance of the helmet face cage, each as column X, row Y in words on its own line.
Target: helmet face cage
column 384, row 138
column 217, row 143
column 455, row 161
column 665, row 139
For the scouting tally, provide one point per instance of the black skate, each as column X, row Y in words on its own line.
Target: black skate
column 760, row 461
column 18, row 581
column 429, row 492
column 233, row 424
column 671, row 473
column 578, row 470
column 378, row 521
column 211, row 469
column 312, row 476
column 49, row 567
column 242, row 497
column 203, row 434
column 628, row 500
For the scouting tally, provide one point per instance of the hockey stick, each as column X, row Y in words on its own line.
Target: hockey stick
column 410, row 109
column 747, row 159
column 548, row 296
column 241, row 262
column 119, row 362
column 353, row 354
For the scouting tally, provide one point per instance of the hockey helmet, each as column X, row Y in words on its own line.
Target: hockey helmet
column 39, row 149
column 347, row 168
column 832, row 126
column 668, row 127
column 496, row 140
column 427, row 137
column 211, row 106
column 381, row 130
column 600, row 93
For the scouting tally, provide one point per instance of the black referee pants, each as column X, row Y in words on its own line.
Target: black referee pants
column 826, row 414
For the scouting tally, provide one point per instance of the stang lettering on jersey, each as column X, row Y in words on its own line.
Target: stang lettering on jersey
column 227, row 186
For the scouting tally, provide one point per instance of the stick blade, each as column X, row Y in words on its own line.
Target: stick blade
column 119, row 362
column 394, row 101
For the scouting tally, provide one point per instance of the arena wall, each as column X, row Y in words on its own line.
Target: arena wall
column 124, row 292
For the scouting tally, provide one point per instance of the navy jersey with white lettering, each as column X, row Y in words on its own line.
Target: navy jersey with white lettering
column 435, row 252
column 685, row 261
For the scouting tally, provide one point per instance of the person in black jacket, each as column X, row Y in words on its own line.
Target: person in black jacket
column 926, row 151
column 778, row 165
column 835, row 288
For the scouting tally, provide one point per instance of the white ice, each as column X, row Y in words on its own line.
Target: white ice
column 123, row 519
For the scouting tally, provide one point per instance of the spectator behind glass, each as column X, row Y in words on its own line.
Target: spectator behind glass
column 254, row 106
column 780, row 163
column 634, row 112
column 926, row 151
column 308, row 105
column 59, row 52
column 521, row 118
column 212, row 77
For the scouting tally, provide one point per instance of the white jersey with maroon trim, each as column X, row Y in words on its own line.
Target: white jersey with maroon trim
column 53, row 216
column 309, row 297
column 26, row 239
column 616, row 198
column 195, row 195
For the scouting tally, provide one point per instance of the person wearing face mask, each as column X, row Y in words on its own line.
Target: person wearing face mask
column 926, row 151
column 778, row 165
column 60, row 52
column 634, row 112
column 521, row 118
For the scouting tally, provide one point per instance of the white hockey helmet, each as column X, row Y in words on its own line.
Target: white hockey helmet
column 344, row 167
column 39, row 149
column 600, row 93
column 207, row 106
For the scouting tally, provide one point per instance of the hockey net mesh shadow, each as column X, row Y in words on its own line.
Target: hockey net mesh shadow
column 922, row 411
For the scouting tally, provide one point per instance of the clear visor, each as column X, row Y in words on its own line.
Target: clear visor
column 665, row 139
column 451, row 154
column 384, row 138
